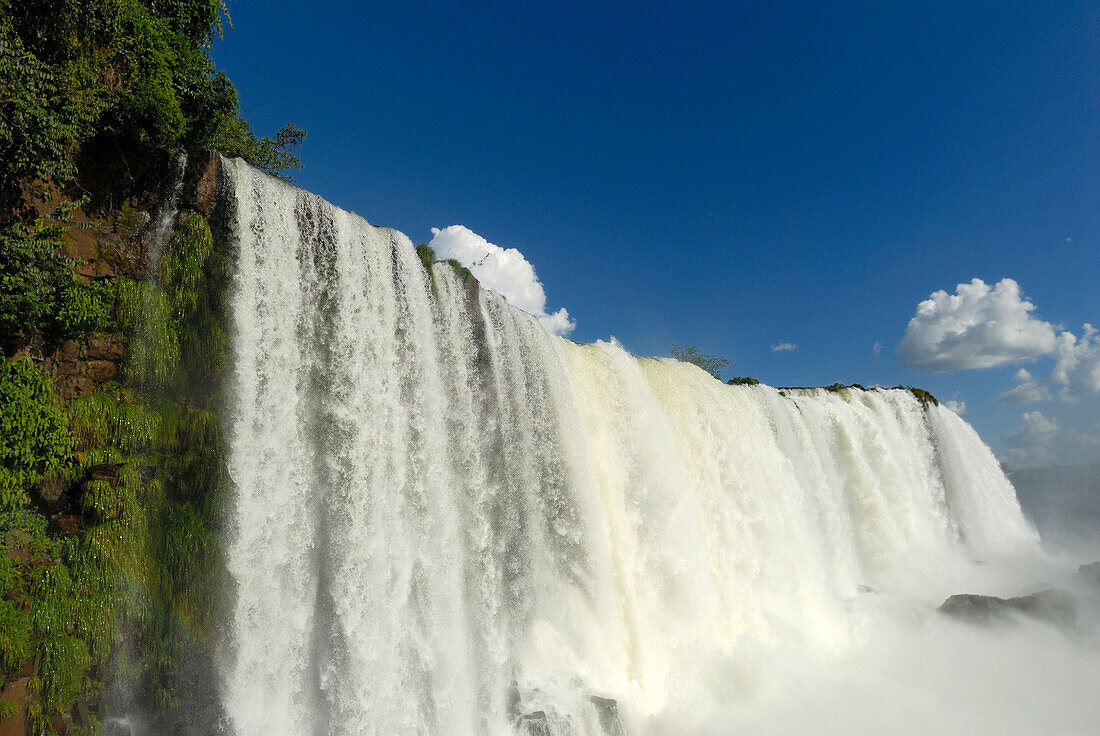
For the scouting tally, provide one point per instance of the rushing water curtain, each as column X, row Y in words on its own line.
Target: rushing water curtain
column 447, row 520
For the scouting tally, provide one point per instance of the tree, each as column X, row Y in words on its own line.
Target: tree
column 712, row 364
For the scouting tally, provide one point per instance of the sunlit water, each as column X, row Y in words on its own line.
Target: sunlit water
column 449, row 521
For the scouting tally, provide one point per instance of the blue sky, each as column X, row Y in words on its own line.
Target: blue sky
column 737, row 175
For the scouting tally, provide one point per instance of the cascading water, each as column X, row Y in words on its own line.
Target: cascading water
column 448, row 521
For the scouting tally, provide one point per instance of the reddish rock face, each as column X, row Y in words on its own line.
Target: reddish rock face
column 52, row 487
column 208, row 167
column 15, row 691
column 80, row 366
column 104, row 347
column 71, row 524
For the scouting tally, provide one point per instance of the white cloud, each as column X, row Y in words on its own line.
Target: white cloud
column 1031, row 444
column 1076, row 372
column 784, row 347
column 504, row 270
column 979, row 326
column 877, row 349
column 959, row 407
column 1077, row 369
column 1042, row 440
column 1027, row 391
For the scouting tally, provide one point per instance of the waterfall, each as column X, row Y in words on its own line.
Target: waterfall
column 446, row 520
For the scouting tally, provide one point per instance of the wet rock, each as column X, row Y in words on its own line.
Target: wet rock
column 105, row 472
column 82, row 713
column 63, row 724
column 117, row 727
column 513, row 702
column 71, row 387
column 104, row 346
column 71, row 523
column 607, row 710
column 100, row 371
column 52, row 487
column 15, row 691
column 68, row 352
column 533, row 724
column 1051, row 605
column 1089, row 575
column 203, row 170
column 18, row 543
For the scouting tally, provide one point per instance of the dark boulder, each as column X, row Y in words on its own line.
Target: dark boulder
column 1051, row 606
column 608, row 711
column 533, row 724
column 1088, row 576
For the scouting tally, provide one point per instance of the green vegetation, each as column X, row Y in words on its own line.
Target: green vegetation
column 712, row 364
column 464, row 274
column 39, row 292
column 108, row 551
column 84, row 75
column 924, row 397
column 95, row 96
column 427, row 257
column 743, row 381
column 34, row 438
column 142, row 463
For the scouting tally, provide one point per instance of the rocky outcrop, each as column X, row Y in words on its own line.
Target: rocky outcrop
column 1050, row 606
column 109, row 244
column 608, row 711
column 15, row 691
column 1088, row 576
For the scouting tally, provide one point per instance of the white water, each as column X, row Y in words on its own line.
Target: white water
column 447, row 518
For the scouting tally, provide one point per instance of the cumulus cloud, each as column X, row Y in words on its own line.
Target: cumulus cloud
column 1028, row 390
column 1041, row 440
column 1076, row 373
column 979, row 326
column 784, row 347
column 1032, row 443
column 504, row 270
column 1077, row 370
column 959, row 407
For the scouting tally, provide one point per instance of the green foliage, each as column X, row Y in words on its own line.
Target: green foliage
column 15, row 628
column 426, row 255
column 76, row 69
column 181, row 267
column 127, row 76
column 34, row 278
column 39, row 293
column 274, row 154
column 45, row 105
column 743, row 381
column 150, row 455
column 924, row 397
column 464, row 274
column 129, row 81
column 34, row 437
column 712, row 364
column 155, row 351
column 87, row 307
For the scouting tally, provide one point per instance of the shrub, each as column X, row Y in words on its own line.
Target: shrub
column 712, row 364
column 34, row 437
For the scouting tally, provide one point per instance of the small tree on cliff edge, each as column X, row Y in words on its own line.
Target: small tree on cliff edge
column 712, row 364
